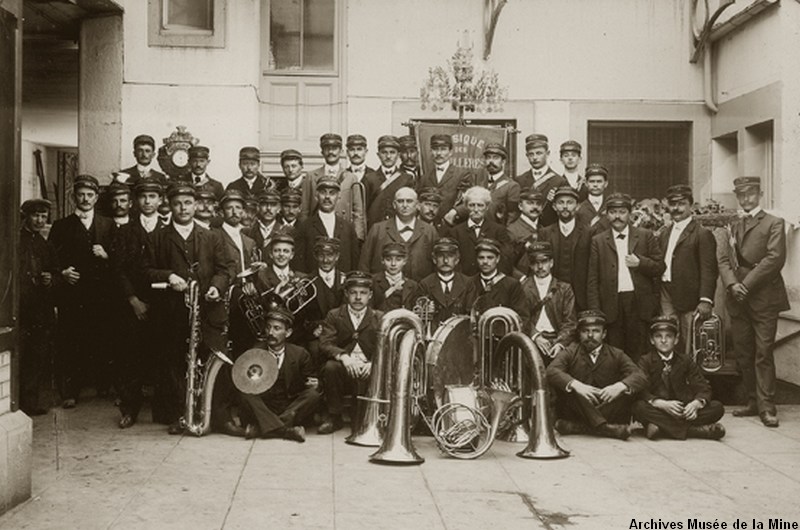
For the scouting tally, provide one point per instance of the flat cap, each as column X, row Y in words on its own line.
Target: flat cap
column 281, row 237
column 330, row 139
column 445, row 244
column 441, row 140
column 205, row 194
column 290, row 154
column 329, row 182
column 540, row 250
column 356, row 140
column 488, row 245
column 494, row 148
column 180, row 189
column 357, row 279
column 291, row 196
column 198, row 151
column 144, row 139
column 35, row 206
column 742, row 183
column 269, row 195
column 536, row 140
column 281, row 314
column 232, row 195
column 148, row 184
column 250, row 203
column 680, row 191
column 86, row 181
column 664, row 323
column 596, row 169
column 570, row 145
column 430, row 195
column 530, row 194
column 619, row 200
column 388, row 141
column 565, row 191
column 118, row 188
column 590, row 317
column 249, row 153
column 394, row 249
column 329, row 244
column 408, row 141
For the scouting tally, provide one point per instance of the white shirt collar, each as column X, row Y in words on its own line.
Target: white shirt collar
column 573, row 179
column 495, row 177
column 184, row 230
column 234, row 231
column 472, row 225
column 204, row 224
column 400, row 224
column 328, row 277
column 568, row 227
column 543, row 282
column 393, row 279
column 296, row 183
column 681, row 225
column 444, row 167
column 530, row 222
column 122, row 220
column 143, row 169
column 755, row 211
column 359, row 168
column 149, row 223
column 327, row 216
column 85, row 216
column 331, row 170
column 668, row 358
column 285, row 271
column 596, row 200
column 446, row 278
column 625, row 232
column 538, row 173
column 356, row 314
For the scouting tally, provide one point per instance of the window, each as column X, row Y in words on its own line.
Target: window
column 643, row 158
column 187, row 23
column 302, row 36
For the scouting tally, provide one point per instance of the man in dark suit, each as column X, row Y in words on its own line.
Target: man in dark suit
column 120, row 199
column 445, row 177
column 391, row 288
column 83, row 243
column 281, row 411
column 541, row 177
column 404, row 227
column 326, row 222
column 596, row 383
column 551, row 321
column 570, row 241
column 623, row 263
column 381, row 185
column 178, row 254
column 137, row 335
column 38, row 272
column 591, row 211
column 504, row 206
column 451, row 291
column 251, row 183
column 290, row 209
column 479, row 226
column 409, row 156
column 292, row 166
column 525, row 229
column 428, row 208
column 280, row 254
column 357, row 157
column 495, row 289
column 198, row 163
column 349, row 339
column 239, row 247
column 570, row 152
column 690, row 255
column 266, row 223
column 677, row 400
column 144, row 151
column 751, row 273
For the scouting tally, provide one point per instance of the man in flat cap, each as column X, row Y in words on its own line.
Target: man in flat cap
column 596, row 383
column 83, row 243
column 591, row 211
column 552, row 321
column 240, row 247
column 325, row 221
column 205, row 208
column 280, row 253
column 623, row 264
column 428, row 203
column 751, row 274
column 570, row 241
column 266, row 223
column 445, row 177
column 291, row 199
column 351, row 198
column 409, row 156
column 541, row 176
column 570, row 152
column 525, row 228
column 292, row 166
column 38, row 272
column 494, row 288
column 677, row 399
column 144, row 151
column 281, row 411
column 252, row 183
column 350, row 340
column 392, row 289
column 357, row 157
column 138, row 335
column 179, row 254
column 452, row 292
column 404, row 227
column 198, row 164
column 382, row 184
column 690, row 255
column 119, row 196
column 504, row 207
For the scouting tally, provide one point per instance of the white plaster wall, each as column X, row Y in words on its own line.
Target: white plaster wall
column 50, row 126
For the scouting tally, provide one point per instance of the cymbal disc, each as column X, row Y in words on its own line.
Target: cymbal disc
column 255, row 371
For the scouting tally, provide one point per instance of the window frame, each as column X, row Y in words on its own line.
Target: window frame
column 159, row 35
column 337, row 31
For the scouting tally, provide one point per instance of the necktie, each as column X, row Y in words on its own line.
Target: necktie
column 477, row 230
column 447, row 285
column 196, row 179
column 665, row 376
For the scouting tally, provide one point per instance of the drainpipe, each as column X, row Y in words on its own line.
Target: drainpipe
column 708, row 89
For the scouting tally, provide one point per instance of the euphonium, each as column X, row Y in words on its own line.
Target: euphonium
column 369, row 430
column 708, row 342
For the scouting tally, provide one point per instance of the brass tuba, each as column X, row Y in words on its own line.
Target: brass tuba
column 708, row 342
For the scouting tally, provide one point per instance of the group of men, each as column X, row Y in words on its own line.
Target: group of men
column 557, row 249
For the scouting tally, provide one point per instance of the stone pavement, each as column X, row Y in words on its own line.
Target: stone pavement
column 97, row 476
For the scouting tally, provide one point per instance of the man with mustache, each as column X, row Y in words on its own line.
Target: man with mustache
column 251, row 183
column 409, row 157
column 281, row 411
column 452, row 292
column 83, row 243
column 428, row 207
column 357, row 157
column 505, row 191
column 525, row 229
column 382, row 184
column 120, row 203
column 541, row 177
column 266, row 224
column 198, row 163
column 596, row 383
column 445, row 177
column 144, row 151
column 591, row 211
column 291, row 199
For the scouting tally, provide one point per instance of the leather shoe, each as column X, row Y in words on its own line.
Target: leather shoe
column 570, row 427
column 175, row 428
column 330, row 425
column 231, row 429
column 126, row 421
column 749, row 410
column 715, row 431
column 298, row 434
column 250, row 432
column 612, row 430
column 769, row 420
column 652, row 431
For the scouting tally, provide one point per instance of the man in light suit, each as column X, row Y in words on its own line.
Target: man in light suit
column 445, row 177
column 541, row 176
column 623, row 263
column 405, row 227
column 451, row 291
column 690, row 256
column 504, row 207
column 751, row 273
column 591, row 211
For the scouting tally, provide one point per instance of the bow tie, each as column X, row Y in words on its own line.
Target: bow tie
column 620, row 236
column 82, row 215
column 439, row 169
column 406, row 229
column 197, row 179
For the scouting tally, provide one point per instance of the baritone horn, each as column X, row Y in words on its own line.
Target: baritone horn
column 708, row 342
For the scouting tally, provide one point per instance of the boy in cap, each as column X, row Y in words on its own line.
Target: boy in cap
column 570, row 152
column 451, row 291
column 591, row 211
column 690, row 279
column 144, row 151
column 504, row 208
column 198, row 163
column 392, row 290
column 252, row 183
column 596, row 383
column 280, row 253
column 751, row 274
column 349, row 339
column 83, row 243
column 552, row 320
column 445, row 177
column 540, row 177
column 38, row 270
column 494, row 288
column 677, row 400
column 381, row 185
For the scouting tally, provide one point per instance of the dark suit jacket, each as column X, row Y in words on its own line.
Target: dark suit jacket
column 404, row 298
column 612, row 366
column 338, row 335
column 553, row 180
column 458, row 302
column 579, row 257
column 761, row 252
column 448, row 187
column 558, row 305
column 214, row 186
column 36, row 255
column 602, row 284
column 306, row 233
column 507, row 292
column 296, row 368
column 135, row 176
column 694, row 266
column 581, row 188
column 686, row 379
column 260, row 184
column 505, row 198
column 232, row 250
column 586, row 213
column 419, row 246
column 327, row 298
column 467, row 241
column 380, row 196
column 130, row 248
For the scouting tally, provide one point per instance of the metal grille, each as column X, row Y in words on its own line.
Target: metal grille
column 643, row 158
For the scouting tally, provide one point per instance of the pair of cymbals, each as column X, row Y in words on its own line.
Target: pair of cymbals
column 255, row 371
